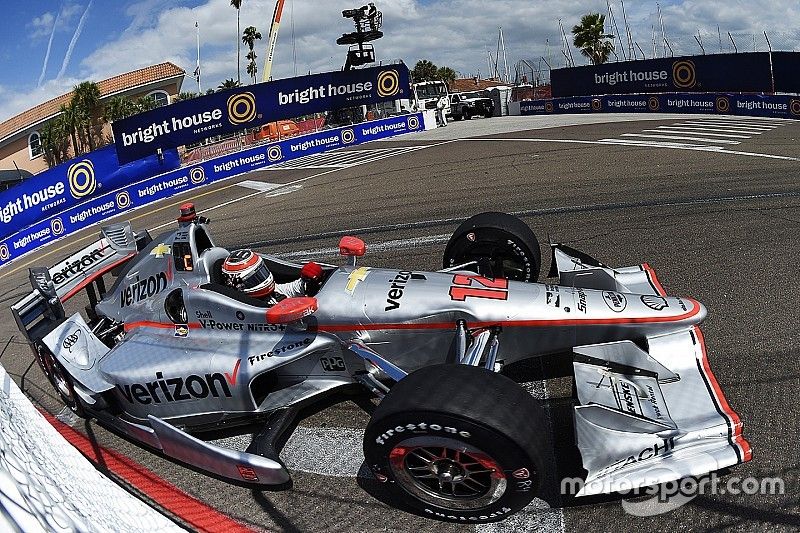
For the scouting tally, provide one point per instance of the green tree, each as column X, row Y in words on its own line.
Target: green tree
column 55, row 141
column 446, row 74
column 69, row 120
column 145, row 103
column 119, row 107
column 238, row 5
column 228, row 84
column 186, row 96
column 592, row 40
column 86, row 98
column 249, row 37
column 424, row 70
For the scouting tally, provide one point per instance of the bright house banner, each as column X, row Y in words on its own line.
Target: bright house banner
column 111, row 203
column 781, row 106
column 231, row 110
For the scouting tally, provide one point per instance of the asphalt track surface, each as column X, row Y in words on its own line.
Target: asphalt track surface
column 718, row 221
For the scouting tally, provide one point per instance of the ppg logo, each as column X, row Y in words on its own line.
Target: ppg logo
column 241, row 108
column 388, row 83
column 81, row 179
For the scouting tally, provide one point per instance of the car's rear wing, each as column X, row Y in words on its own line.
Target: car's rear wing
column 42, row 308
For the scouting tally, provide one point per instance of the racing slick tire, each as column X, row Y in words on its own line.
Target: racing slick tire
column 488, row 114
column 465, row 114
column 458, row 443
column 456, row 117
column 502, row 245
column 60, row 379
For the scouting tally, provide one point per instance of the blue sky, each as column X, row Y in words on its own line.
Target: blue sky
column 120, row 35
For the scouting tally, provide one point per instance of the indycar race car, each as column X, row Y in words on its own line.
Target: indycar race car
column 167, row 352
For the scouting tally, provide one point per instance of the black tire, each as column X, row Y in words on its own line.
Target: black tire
column 456, row 117
column 503, row 246
column 488, row 114
column 460, row 423
column 61, row 381
column 465, row 114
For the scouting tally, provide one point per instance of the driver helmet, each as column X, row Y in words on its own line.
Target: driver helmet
column 246, row 271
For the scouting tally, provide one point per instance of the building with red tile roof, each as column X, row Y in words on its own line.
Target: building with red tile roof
column 19, row 134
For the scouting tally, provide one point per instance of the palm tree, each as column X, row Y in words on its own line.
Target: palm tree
column 249, row 37
column 238, row 4
column 86, row 97
column 119, row 107
column 228, row 84
column 69, row 118
column 145, row 103
column 186, row 96
column 591, row 38
column 55, row 142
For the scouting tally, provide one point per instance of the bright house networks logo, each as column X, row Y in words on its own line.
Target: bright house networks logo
column 57, row 226
column 241, row 108
column 274, row 153
column 82, row 181
column 348, row 136
column 4, row 255
column 123, row 200
column 388, row 83
column 197, row 175
column 684, row 74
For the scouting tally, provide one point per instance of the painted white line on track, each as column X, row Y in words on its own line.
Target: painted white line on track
column 681, row 138
column 674, row 129
column 719, row 129
column 729, row 124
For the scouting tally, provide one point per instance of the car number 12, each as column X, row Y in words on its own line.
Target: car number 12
column 492, row 289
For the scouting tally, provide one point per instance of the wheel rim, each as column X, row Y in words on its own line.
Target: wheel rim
column 60, row 382
column 498, row 260
column 447, row 473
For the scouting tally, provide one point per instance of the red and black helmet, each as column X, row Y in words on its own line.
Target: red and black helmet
column 246, row 271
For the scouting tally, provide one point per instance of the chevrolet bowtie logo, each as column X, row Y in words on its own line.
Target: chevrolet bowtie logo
column 356, row 276
column 160, row 250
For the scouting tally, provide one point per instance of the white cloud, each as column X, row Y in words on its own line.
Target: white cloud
column 456, row 33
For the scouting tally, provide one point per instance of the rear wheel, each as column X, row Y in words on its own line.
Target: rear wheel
column 60, row 380
column 498, row 244
column 465, row 114
column 458, row 443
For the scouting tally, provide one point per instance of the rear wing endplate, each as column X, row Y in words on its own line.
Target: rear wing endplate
column 83, row 270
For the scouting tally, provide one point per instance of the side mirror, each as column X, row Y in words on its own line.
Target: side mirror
column 352, row 247
column 291, row 310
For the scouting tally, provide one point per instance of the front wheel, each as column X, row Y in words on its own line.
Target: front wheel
column 458, row 443
column 495, row 245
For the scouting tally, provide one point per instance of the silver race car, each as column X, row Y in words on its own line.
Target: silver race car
column 168, row 352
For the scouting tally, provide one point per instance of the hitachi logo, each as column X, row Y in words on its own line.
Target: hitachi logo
column 178, row 389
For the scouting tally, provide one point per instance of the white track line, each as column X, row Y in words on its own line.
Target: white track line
column 680, row 138
column 731, row 124
column 717, row 129
column 674, row 129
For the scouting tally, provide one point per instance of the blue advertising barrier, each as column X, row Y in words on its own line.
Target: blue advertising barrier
column 135, row 195
column 748, row 72
column 74, row 182
column 714, row 103
column 231, row 110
